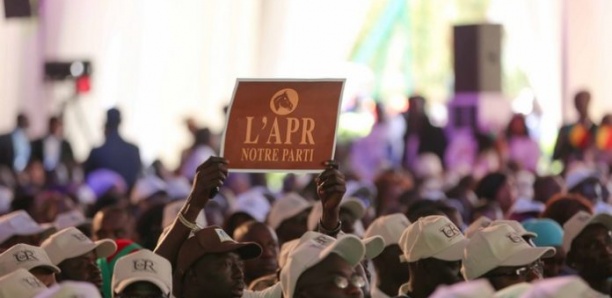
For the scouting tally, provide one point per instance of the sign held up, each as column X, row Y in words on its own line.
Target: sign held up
column 282, row 125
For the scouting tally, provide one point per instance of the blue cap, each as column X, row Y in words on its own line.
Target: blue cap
column 550, row 233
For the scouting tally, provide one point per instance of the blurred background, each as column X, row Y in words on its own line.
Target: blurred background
column 162, row 62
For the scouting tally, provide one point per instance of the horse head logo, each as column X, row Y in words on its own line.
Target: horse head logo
column 284, row 102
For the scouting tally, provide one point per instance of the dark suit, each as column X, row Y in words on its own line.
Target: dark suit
column 431, row 139
column 38, row 152
column 117, row 155
column 7, row 153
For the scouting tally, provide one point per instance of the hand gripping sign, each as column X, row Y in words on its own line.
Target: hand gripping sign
column 282, row 125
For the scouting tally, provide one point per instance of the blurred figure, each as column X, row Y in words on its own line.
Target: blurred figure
column 520, row 148
column 575, row 139
column 604, row 140
column 199, row 152
column 390, row 185
column 584, row 181
column 545, row 187
column 263, row 235
column 18, row 227
column 15, row 148
column 563, row 206
column 112, row 223
column 53, row 150
column 115, row 153
column 289, row 217
column 500, row 188
column 421, row 136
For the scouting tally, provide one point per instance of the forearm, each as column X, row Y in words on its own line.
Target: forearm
column 170, row 242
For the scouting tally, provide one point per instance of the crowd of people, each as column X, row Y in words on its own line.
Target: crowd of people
column 406, row 211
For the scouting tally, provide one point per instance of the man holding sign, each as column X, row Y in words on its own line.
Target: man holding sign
column 282, row 125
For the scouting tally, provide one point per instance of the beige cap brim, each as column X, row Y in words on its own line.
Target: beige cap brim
column 105, row 248
column 529, row 256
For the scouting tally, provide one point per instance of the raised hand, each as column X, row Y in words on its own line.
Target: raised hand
column 331, row 187
column 209, row 177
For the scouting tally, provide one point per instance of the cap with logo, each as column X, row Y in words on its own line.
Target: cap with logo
column 20, row 283
column 475, row 288
column 389, row 227
column 432, row 237
column 562, row 287
column 72, row 289
column 577, row 223
column 143, row 265
column 25, row 256
column 312, row 250
column 479, row 224
column 18, row 223
column 71, row 243
column 285, row 208
column 209, row 240
column 499, row 246
column 516, row 226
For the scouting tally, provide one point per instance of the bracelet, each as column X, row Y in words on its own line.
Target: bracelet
column 190, row 225
column 332, row 232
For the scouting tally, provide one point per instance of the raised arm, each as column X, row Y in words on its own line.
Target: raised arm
column 331, row 187
column 209, row 176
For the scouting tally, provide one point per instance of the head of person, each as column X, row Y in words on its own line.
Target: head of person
column 500, row 255
column 498, row 187
column 55, row 126
column 433, row 247
column 562, row 207
column 76, row 255
column 322, row 266
column 390, row 185
column 20, row 283
column 23, row 122
column 517, row 127
column 581, row 103
column 113, row 120
column 262, row 234
column 18, row 227
column 210, row 264
column 387, row 264
column 142, row 274
column 248, row 206
column 112, row 222
column 548, row 234
column 289, row 217
column 32, row 258
column 416, row 105
column 202, row 136
column 545, row 187
column 587, row 240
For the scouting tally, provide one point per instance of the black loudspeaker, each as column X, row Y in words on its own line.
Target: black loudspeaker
column 17, row 9
column 57, row 71
column 477, row 58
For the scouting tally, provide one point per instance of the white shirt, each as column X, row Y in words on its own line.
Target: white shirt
column 22, row 149
column 52, row 147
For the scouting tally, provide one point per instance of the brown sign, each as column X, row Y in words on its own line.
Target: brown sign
column 282, row 125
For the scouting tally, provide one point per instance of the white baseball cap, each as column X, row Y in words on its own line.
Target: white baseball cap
column 286, row 207
column 286, row 249
column 562, row 287
column 19, row 223
column 498, row 246
column 20, row 283
column 143, row 265
column 25, row 256
column 71, row 289
column 513, row 291
column 389, row 227
column 71, row 243
column 476, row 288
column 516, row 226
column 479, row 224
column 578, row 175
column 373, row 246
column 574, row 226
column 178, row 188
column 68, row 219
column 253, row 203
column 310, row 251
column 432, row 237
column 171, row 211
